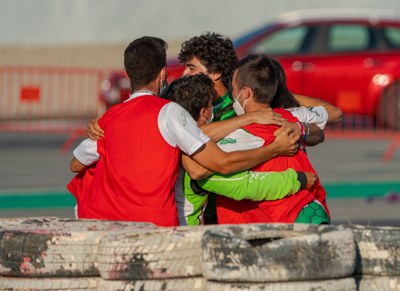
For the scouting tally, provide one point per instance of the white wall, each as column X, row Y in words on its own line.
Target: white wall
column 102, row 21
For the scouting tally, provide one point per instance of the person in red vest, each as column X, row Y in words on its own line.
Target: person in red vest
column 138, row 159
column 254, row 85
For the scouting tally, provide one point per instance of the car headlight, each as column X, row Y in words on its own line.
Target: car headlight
column 381, row 79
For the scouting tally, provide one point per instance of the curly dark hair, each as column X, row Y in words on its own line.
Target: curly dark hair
column 192, row 93
column 214, row 51
column 143, row 60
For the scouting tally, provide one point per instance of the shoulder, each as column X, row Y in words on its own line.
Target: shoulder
column 285, row 114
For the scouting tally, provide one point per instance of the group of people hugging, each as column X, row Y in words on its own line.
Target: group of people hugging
column 225, row 143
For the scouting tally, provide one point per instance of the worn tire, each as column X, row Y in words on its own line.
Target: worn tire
column 55, row 247
column 378, row 283
column 160, row 254
column 181, row 284
column 14, row 283
column 346, row 284
column 271, row 252
column 378, row 250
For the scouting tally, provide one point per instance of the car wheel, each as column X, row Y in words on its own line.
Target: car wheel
column 388, row 112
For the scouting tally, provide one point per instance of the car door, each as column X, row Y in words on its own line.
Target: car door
column 342, row 72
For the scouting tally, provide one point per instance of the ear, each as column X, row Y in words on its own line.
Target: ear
column 203, row 111
column 214, row 76
column 126, row 74
column 247, row 92
column 163, row 73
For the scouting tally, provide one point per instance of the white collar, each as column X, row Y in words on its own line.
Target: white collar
column 140, row 93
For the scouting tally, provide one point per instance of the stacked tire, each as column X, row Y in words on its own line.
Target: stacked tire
column 279, row 257
column 377, row 258
column 54, row 254
column 59, row 254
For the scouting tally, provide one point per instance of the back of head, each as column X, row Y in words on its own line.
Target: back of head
column 192, row 93
column 214, row 51
column 143, row 60
column 257, row 72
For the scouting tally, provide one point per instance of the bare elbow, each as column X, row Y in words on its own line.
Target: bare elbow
column 335, row 116
column 75, row 166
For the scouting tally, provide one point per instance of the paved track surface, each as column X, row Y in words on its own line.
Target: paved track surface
column 358, row 182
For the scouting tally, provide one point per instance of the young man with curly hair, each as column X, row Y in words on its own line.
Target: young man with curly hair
column 214, row 55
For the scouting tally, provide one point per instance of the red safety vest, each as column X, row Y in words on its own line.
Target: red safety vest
column 135, row 175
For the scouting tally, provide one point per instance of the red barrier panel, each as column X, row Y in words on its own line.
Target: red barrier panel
column 48, row 99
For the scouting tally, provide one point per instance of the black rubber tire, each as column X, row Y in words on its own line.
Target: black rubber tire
column 378, row 250
column 270, row 253
column 160, row 254
column 55, row 247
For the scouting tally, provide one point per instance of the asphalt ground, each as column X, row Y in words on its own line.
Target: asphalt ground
column 361, row 187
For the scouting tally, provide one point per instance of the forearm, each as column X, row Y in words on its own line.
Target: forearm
column 256, row 186
column 194, row 169
column 219, row 129
column 313, row 135
column 226, row 163
column 335, row 114
column 76, row 166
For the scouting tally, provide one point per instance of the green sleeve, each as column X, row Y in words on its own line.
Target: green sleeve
column 256, row 186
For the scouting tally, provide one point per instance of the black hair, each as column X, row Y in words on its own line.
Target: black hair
column 257, row 72
column 283, row 97
column 214, row 51
column 143, row 60
column 192, row 93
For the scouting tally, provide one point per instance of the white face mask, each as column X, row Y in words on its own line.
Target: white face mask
column 211, row 118
column 239, row 109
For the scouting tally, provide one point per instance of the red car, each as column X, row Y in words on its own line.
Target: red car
column 349, row 58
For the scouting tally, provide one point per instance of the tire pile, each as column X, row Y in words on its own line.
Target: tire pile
column 66, row 254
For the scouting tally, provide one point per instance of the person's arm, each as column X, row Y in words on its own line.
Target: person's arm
column 85, row 154
column 219, row 129
column 312, row 135
column 285, row 141
column 258, row 186
column 76, row 166
column 335, row 114
column 213, row 158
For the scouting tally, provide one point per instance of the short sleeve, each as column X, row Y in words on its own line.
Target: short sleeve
column 86, row 152
column 317, row 115
column 178, row 128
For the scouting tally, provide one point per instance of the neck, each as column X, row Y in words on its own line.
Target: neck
column 149, row 87
column 220, row 89
column 254, row 106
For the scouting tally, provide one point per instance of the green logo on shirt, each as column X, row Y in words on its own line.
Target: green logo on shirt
column 227, row 140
